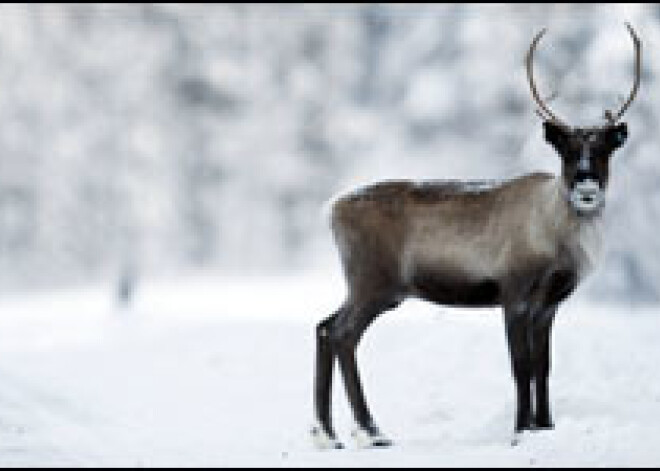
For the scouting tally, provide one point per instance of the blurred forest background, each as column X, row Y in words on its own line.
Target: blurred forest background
column 141, row 140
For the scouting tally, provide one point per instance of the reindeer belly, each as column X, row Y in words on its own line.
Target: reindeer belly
column 457, row 274
column 452, row 290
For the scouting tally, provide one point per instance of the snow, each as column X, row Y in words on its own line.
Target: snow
column 210, row 370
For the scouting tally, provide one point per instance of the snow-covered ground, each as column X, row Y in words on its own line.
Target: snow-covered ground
column 212, row 371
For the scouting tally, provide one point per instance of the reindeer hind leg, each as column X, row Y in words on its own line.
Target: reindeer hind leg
column 323, row 432
column 347, row 332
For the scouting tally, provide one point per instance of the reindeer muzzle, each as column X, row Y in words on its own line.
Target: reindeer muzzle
column 586, row 197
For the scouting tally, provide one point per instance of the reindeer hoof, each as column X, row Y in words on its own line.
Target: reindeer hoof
column 365, row 439
column 323, row 440
column 544, row 424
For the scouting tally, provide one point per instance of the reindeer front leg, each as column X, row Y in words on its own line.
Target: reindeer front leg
column 518, row 323
column 541, row 360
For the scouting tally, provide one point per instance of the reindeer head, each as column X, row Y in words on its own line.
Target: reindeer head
column 585, row 152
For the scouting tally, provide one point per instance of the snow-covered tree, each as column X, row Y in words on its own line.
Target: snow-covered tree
column 161, row 137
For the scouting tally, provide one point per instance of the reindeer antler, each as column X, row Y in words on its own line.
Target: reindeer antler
column 614, row 117
column 544, row 110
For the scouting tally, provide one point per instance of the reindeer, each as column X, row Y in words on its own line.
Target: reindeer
column 524, row 244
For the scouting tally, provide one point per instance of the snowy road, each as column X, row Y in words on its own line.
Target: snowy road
column 215, row 372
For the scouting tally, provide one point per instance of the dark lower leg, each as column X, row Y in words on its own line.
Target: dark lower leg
column 325, row 360
column 524, row 407
column 543, row 416
column 348, row 365
column 517, row 334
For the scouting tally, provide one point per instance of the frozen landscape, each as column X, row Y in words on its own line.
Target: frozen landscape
column 214, row 371
column 179, row 148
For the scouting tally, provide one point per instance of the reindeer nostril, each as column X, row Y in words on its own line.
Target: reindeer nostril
column 583, row 176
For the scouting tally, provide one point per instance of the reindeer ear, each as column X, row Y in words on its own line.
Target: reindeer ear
column 554, row 134
column 617, row 135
